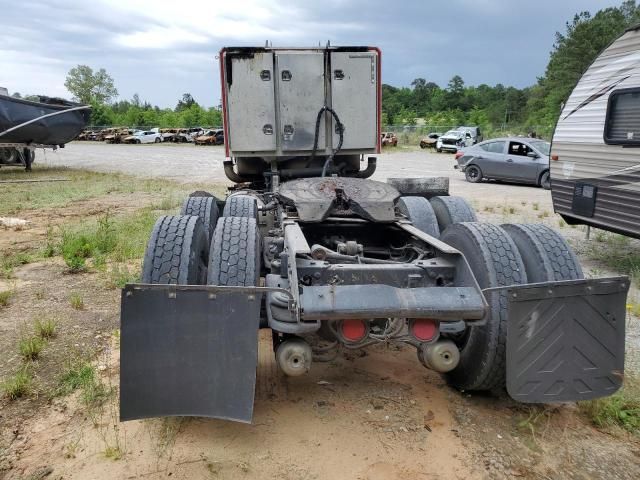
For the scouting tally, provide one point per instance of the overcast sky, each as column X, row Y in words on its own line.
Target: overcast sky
column 162, row 49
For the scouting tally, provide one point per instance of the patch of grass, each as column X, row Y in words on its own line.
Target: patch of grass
column 77, row 375
column 544, row 214
column 10, row 261
column 82, row 375
column 120, row 275
column 634, row 308
column 616, row 252
column 50, row 247
column 76, row 301
column 75, row 249
column 31, row 347
column 46, row 328
column 80, row 185
column 535, row 205
column 117, row 239
column 17, row 385
column 622, row 409
column 488, row 208
column 113, row 452
column 167, row 203
column 5, row 296
column 600, row 236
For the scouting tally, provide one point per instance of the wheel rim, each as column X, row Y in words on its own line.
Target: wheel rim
column 473, row 173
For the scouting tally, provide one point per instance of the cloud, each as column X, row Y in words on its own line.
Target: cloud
column 161, row 49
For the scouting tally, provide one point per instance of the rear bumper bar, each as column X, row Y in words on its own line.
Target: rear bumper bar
column 332, row 302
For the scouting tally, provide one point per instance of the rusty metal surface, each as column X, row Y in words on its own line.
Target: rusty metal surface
column 317, row 198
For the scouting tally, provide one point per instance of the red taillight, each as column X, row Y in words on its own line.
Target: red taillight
column 353, row 330
column 459, row 154
column 555, row 158
column 424, row 329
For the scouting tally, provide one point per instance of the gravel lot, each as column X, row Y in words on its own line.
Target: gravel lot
column 188, row 163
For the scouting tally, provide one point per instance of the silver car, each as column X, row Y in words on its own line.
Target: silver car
column 515, row 159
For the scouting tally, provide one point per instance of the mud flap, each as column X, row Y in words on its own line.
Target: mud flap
column 188, row 351
column 565, row 340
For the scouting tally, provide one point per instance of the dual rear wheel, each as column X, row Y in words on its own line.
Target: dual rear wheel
column 200, row 247
column 505, row 255
column 185, row 249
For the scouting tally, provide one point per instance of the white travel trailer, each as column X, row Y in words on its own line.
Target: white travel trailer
column 595, row 153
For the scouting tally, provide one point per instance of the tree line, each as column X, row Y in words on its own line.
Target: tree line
column 534, row 108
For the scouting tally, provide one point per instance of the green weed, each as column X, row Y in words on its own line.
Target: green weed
column 46, row 328
column 5, row 296
column 31, row 347
column 622, row 409
column 76, row 301
column 17, row 385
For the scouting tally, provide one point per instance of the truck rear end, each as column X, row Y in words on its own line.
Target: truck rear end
column 304, row 244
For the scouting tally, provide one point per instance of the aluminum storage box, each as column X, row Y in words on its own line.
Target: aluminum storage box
column 271, row 99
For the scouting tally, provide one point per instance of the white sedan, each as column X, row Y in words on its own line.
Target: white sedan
column 148, row 136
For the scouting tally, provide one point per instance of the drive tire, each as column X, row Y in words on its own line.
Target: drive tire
column 177, row 252
column 473, row 174
column 241, row 206
column 421, row 214
column 545, row 180
column 8, row 155
column 205, row 208
column 495, row 261
column 234, row 258
column 451, row 210
column 546, row 255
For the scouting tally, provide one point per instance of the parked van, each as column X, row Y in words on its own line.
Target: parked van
column 476, row 135
column 595, row 152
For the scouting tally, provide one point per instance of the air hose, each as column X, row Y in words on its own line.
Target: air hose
column 340, row 130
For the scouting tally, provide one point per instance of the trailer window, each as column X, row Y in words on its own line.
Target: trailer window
column 622, row 124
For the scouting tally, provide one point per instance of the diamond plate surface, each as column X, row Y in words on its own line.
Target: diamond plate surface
column 565, row 340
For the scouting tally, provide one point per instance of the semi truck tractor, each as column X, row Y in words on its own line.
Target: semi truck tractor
column 307, row 245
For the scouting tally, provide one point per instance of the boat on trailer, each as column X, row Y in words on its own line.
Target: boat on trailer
column 47, row 123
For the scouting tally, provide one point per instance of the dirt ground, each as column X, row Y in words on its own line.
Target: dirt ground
column 368, row 415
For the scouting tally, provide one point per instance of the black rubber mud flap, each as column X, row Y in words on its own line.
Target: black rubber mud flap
column 188, row 351
column 565, row 339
